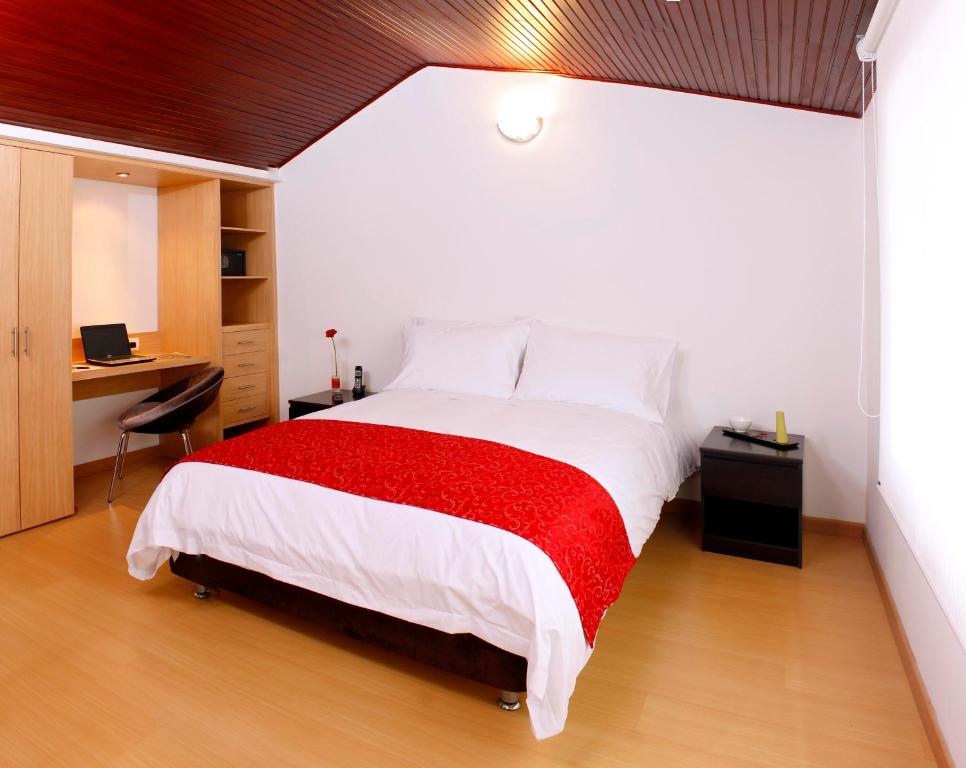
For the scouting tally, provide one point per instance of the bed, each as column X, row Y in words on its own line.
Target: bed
column 469, row 597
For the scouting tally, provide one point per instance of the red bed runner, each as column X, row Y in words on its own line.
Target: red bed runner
column 557, row 507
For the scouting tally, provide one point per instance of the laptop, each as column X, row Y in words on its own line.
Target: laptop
column 109, row 345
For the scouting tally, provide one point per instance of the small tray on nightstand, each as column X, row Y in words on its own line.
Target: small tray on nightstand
column 761, row 438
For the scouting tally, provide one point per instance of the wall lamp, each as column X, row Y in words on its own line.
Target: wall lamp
column 520, row 113
column 520, row 128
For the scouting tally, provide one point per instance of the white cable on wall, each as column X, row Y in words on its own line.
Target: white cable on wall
column 865, row 221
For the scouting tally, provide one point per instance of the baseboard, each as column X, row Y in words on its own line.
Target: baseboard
column 919, row 693
column 107, row 463
column 834, row 527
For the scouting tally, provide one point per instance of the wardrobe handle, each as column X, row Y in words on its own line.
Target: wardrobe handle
column 26, row 341
column 13, row 341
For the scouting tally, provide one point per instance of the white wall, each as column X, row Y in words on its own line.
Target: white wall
column 115, row 255
column 915, row 518
column 939, row 655
column 114, row 280
column 636, row 211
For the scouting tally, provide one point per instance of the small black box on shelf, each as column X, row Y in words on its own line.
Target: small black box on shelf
column 232, row 262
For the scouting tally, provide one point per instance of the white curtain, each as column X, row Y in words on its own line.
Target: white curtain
column 922, row 241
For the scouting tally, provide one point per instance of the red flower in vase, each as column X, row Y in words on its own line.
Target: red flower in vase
column 336, row 382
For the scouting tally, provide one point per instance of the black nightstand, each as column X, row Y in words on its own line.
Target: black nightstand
column 751, row 499
column 299, row 406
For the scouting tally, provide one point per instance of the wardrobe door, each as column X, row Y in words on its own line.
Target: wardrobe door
column 46, row 442
column 9, row 421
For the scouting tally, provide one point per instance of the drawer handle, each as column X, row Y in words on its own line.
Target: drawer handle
column 246, row 365
column 247, row 341
column 247, row 386
column 248, row 408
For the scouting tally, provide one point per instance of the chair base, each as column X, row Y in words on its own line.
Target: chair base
column 122, row 445
column 118, row 464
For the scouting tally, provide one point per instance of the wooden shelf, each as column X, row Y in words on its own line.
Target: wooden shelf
column 242, row 231
column 231, row 326
column 244, row 277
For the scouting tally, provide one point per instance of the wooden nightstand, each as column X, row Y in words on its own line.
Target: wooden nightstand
column 320, row 401
column 751, row 499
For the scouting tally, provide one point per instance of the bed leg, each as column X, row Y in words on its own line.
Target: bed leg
column 201, row 592
column 508, row 702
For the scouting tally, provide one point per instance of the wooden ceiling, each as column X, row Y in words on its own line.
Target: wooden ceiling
column 255, row 82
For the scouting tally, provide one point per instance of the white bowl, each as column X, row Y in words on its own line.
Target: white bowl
column 740, row 423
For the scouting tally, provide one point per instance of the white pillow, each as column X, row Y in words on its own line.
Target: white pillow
column 475, row 358
column 617, row 372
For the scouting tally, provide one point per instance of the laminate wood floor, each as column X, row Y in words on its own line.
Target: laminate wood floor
column 706, row 660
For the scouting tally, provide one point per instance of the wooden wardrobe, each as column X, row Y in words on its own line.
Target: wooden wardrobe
column 36, row 442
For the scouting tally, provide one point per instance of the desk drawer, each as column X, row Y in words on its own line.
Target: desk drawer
column 244, row 386
column 244, row 409
column 245, row 364
column 751, row 482
column 235, row 342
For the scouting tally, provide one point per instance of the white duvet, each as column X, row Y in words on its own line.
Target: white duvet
column 444, row 572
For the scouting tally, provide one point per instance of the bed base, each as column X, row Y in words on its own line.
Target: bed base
column 465, row 654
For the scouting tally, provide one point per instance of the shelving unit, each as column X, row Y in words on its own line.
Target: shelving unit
column 230, row 321
column 249, row 395
column 203, row 319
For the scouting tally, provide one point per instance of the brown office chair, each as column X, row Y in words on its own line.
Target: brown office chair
column 172, row 409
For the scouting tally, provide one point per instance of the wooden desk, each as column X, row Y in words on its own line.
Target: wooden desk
column 98, row 381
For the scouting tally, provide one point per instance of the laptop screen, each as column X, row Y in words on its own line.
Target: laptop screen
column 105, row 341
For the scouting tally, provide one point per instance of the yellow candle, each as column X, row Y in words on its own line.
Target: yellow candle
column 781, row 434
